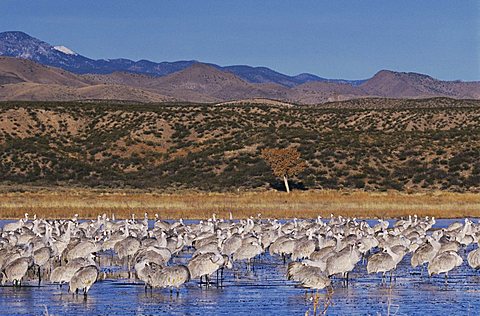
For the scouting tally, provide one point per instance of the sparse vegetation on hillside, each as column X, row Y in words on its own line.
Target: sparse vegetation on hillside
column 366, row 144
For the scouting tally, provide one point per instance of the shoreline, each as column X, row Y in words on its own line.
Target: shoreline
column 65, row 202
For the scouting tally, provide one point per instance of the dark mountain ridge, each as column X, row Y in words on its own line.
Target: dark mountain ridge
column 21, row 45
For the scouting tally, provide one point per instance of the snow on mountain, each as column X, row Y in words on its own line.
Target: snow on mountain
column 65, row 50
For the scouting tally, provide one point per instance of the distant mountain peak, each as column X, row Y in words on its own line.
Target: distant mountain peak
column 391, row 73
column 203, row 73
column 11, row 35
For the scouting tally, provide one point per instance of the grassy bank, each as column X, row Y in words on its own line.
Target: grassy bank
column 192, row 205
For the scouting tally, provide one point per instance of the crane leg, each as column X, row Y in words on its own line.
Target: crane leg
column 221, row 278
column 128, row 267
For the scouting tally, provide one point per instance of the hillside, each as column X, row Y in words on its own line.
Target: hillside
column 371, row 144
column 28, row 81
column 392, row 84
column 13, row 70
column 25, row 80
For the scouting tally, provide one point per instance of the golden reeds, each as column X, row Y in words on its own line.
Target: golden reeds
column 195, row 205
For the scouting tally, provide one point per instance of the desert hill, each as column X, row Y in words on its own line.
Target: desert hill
column 371, row 144
column 22, row 79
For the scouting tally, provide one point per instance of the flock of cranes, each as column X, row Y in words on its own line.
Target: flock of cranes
column 68, row 251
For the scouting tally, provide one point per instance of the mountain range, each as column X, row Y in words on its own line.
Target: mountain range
column 20, row 44
column 35, row 70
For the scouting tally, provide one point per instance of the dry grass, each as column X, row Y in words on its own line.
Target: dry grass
column 193, row 205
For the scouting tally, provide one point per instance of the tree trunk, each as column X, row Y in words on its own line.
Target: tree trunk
column 285, row 180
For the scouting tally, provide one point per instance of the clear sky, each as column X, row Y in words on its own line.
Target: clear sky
column 334, row 39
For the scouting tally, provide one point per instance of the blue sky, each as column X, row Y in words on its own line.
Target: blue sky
column 334, row 39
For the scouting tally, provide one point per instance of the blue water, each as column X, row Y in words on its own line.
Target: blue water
column 262, row 291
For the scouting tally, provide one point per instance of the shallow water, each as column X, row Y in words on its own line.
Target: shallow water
column 262, row 291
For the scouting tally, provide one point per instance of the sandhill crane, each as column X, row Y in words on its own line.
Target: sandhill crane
column 41, row 257
column 316, row 281
column 83, row 279
column 11, row 227
column 332, row 247
column 16, row 270
column 425, row 253
column 159, row 256
column 213, row 246
column 63, row 274
column 231, row 244
column 449, row 246
column 248, row 250
column 205, row 264
column 171, row 277
column 283, row 247
column 126, row 248
column 297, row 271
column 454, row 226
column 343, row 262
column 443, row 263
column 310, row 277
column 383, row 262
column 382, row 225
column 175, row 244
column 473, row 258
column 323, row 254
column 82, row 250
column 9, row 255
column 303, row 248
column 144, row 269
column 61, row 242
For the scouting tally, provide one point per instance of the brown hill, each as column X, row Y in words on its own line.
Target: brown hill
column 392, row 84
column 29, row 91
column 121, row 78
column 14, row 70
column 25, row 80
column 197, row 83
column 201, row 82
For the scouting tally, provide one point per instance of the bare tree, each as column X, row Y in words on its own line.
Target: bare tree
column 284, row 162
